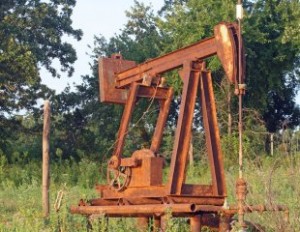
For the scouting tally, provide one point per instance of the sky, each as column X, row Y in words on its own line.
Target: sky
column 93, row 17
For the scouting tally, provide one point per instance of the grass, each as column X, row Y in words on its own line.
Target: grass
column 271, row 180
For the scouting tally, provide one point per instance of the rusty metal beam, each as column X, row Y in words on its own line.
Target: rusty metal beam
column 224, row 44
column 125, row 120
column 156, row 224
column 142, row 223
column 153, row 191
column 134, row 210
column 181, row 145
column 224, row 223
column 197, row 190
column 161, row 121
column 146, row 210
column 164, row 219
column 212, row 134
column 200, row 50
column 158, row 93
column 195, row 223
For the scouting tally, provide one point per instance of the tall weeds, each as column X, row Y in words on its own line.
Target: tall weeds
column 271, row 180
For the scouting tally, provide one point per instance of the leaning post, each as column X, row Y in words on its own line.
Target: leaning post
column 45, row 168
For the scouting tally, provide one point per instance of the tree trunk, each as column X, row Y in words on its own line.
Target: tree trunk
column 45, row 184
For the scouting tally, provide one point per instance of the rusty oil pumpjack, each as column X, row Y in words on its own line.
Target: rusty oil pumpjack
column 135, row 187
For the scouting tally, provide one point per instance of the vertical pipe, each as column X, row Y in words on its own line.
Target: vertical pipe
column 164, row 222
column 241, row 186
column 224, row 224
column 45, row 168
column 156, row 224
column 240, row 98
column 142, row 223
column 195, row 223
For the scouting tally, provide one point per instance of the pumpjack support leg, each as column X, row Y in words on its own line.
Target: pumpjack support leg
column 156, row 224
column 224, row 224
column 143, row 223
column 195, row 223
column 164, row 222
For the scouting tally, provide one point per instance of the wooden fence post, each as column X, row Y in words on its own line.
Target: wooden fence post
column 272, row 143
column 46, row 178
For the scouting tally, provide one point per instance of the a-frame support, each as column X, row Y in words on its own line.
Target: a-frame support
column 196, row 80
column 136, row 91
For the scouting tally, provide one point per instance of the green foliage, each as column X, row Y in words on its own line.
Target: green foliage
column 273, row 61
column 271, row 180
column 3, row 163
column 31, row 37
column 272, row 49
column 142, row 28
column 82, row 127
column 175, row 224
column 39, row 26
column 186, row 23
column 31, row 34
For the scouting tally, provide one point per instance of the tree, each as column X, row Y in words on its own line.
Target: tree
column 31, row 34
column 31, row 37
column 273, row 51
column 140, row 39
column 270, row 31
